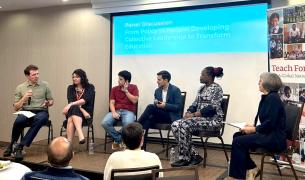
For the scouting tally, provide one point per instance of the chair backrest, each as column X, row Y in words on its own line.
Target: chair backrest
column 224, row 107
column 90, row 120
column 183, row 96
column 179, row 173
column 293, row 116
column 133, row 173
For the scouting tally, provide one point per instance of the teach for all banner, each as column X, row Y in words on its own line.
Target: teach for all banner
column 286, row 30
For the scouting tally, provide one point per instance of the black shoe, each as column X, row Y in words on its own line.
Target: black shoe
column 196, row 159
column 7, row 152
column 18, row 154
column 82, row 141
column 180, row 163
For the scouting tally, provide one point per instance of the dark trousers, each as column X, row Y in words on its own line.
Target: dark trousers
column 243, row 143
column 152, row 114
column 240, row 155
column 35, row 123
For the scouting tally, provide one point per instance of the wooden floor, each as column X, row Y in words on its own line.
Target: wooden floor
column 216, row 163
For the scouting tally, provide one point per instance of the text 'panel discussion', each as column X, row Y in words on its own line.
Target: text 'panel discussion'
column 152, row 89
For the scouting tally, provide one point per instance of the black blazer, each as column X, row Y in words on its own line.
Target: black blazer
column 173, row 101
column 272, row 116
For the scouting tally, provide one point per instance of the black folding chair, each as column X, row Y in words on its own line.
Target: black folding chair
column 218, row 134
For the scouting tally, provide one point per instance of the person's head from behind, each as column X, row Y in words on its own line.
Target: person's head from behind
column 209, row 73
column 79, row 77
column 132, row 135
column 124, row 77
column 163, row 78
column 31, row 73
column 60, row 152
column 274, row 19
column 269, row 82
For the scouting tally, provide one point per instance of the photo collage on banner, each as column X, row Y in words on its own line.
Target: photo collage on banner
column 286, row 29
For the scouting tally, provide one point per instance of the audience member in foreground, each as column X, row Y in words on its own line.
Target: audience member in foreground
column 59, row 155
column 133, row 156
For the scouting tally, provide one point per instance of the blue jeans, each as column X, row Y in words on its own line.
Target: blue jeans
column 108, row 123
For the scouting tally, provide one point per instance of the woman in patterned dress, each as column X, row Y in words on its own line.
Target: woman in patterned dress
column 205, row 113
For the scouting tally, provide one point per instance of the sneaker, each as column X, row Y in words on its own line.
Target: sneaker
column 116, row 146
column 253, row 173
column 7, row 152
column 196, row 159
column 180, row 163
column 18, row 154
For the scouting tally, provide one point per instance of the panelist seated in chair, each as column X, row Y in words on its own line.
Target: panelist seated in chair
column 167, row 104
column 80, row 104
column 205, row 113
column 133, row 156
column 123, row 100
column 59, row 155
column 35, row 96
column 270, row 134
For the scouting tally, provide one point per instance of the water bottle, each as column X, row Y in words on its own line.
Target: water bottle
column 172, row 157
column 91, row 147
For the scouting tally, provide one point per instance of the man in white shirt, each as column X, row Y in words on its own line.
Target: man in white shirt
column 133, row 156
column 294, row 33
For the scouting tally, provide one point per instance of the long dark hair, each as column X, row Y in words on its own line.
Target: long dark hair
column 83, row 77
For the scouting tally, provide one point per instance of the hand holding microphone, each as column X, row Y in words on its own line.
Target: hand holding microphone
column 29, row 94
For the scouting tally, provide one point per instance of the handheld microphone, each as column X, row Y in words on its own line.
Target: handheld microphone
column 29, row 100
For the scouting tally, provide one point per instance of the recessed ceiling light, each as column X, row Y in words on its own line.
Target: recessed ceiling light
column 0, row 7
column 64, row 0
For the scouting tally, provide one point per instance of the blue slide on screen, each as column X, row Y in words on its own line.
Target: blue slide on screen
column 217, row 30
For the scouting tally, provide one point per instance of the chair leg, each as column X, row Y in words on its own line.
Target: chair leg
column 291, row 166
column 61, row 130
column 205, row 153
column 223, row 147
column 88, row 130
column 50, row 133
column 161, row 138
column 167, row 144
column 92, row 133
column 262, row 166
column 105, row 143
column 277, row 165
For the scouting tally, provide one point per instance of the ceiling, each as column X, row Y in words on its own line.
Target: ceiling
column 10, row 5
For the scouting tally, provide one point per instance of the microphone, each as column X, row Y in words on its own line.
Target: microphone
column 29, row 100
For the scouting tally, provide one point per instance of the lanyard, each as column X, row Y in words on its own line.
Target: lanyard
column 79, row 94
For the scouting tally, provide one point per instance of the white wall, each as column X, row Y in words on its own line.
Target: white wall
column 58, row 40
